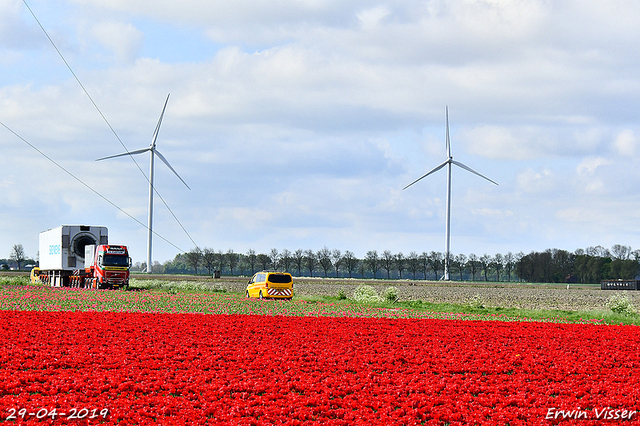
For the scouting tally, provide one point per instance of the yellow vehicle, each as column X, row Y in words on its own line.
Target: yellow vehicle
column 35, row 275
column 270, row 285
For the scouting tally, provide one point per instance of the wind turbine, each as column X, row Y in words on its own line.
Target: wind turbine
column 154, row 152
column 448, row 162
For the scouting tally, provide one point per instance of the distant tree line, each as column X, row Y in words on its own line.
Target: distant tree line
column 553, row 265
column 584, row 266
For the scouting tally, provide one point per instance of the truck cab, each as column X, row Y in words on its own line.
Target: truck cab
column 109, row 265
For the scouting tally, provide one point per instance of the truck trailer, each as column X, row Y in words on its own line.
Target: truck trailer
column 81, row 256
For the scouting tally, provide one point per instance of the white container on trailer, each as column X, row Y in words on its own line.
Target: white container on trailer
column 63, row 248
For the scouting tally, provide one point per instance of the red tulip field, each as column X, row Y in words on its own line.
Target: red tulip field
column 95, row 366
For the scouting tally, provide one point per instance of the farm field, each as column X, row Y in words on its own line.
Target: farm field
column 150, row 357
column 494, row 294
column 504, row 294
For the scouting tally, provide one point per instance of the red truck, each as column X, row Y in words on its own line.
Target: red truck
column 80, row 256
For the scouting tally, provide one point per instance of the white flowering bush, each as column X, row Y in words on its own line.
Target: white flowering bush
column 366, row 294
column 620, row 304
column 390, row 294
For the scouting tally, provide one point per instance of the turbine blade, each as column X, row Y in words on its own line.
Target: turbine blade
column 164, row 160
column 446, row 108
column 425, row 175
column 137, row 151
column 157, row 130
column 469, row 169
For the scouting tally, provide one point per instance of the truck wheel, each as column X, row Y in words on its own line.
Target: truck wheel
column 261, row 298
column 247, row 295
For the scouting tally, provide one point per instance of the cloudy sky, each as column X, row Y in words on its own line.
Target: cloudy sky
column 297, row 123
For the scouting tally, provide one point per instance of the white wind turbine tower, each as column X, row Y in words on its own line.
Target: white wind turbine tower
column 448, row 162
column 154, row 152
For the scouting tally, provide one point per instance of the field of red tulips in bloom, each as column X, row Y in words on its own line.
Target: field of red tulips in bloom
column 60, row 364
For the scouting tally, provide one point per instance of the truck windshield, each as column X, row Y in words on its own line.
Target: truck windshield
column 115, row 260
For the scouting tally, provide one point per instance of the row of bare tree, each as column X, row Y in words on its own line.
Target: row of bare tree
column 553, row 265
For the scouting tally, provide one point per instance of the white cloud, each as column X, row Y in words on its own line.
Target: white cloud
column 248, row 218
column 123, row 39
column 574, row 214
column 590, row 164
column 504, row 143
column 371, row 18
column 595, row 186
column 13, row 32
column 591, row 182
column 536, row 182
column 494, row 214
column 533, row 142
column 626, row 143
